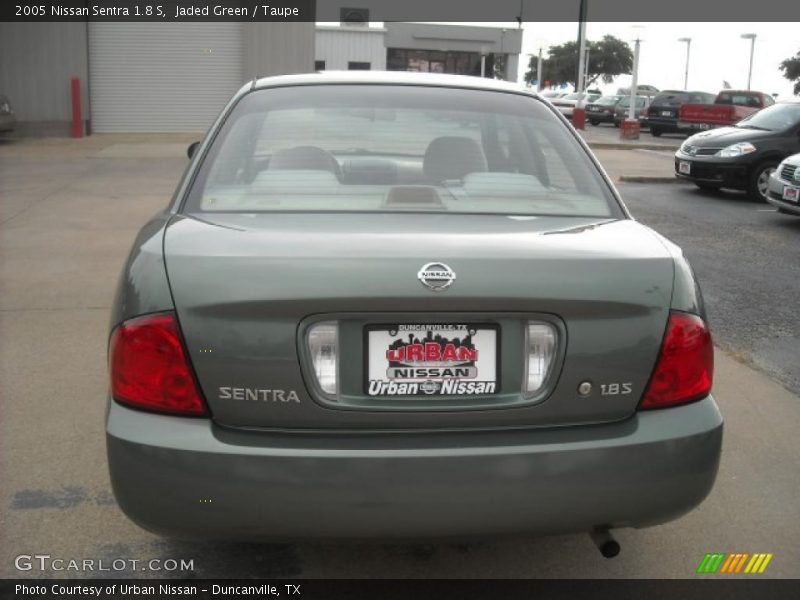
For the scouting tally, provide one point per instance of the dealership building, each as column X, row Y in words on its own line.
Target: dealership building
column 172, row 77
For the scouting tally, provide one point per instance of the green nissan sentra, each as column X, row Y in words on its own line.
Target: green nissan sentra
column 404, row 305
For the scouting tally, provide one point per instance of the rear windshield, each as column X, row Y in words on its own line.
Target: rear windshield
column 627, row 101
column 675, row 98
column 607, row 100
column 738, row 99
column 397, row 148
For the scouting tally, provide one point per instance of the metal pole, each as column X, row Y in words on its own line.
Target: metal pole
column 581, row 55
column 750, row 70
column 686, row 75
column 634, row 82
column 483, row 65
column 586, row 69
column 581, row 45
column 539, row 71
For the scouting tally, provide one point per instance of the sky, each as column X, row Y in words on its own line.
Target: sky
column 717, row 52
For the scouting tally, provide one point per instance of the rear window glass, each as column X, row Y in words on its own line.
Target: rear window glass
column 397, row 148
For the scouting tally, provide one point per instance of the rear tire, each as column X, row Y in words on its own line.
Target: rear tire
column 758, row 183
column 593, row 122
column 655, row 131
column 616, row 124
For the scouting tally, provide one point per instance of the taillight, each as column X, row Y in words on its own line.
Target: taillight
column 685, row 366
column 150, row 369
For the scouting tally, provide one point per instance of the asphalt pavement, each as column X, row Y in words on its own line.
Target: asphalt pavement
column 68, row 213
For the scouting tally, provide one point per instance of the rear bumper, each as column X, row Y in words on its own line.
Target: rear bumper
column 600, row 117
column 664, row 124
column 7, row 122
column 187, row 478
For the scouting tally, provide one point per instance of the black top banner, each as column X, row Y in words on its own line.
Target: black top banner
column 520, row 11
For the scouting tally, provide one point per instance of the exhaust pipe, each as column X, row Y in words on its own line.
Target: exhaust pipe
column 605, row 542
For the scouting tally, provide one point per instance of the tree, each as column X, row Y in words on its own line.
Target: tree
column 607, row 58
column 791, row 70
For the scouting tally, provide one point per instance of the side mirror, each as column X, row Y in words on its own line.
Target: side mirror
column 192, row 149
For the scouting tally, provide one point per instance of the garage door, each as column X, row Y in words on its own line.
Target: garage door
column 154, row 77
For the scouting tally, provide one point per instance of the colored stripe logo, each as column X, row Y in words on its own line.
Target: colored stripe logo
column 735, row 562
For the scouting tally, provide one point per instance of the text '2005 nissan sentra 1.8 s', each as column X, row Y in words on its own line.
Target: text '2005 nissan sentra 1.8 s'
column 399, row 305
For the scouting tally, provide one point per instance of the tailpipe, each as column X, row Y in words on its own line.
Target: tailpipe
column 605, row 542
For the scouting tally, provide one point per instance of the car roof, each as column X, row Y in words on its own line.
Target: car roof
column 388, row 78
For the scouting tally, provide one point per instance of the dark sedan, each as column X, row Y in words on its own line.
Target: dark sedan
column 744, row 156
column 602, row 109
column 662, row 116
column 622, row 109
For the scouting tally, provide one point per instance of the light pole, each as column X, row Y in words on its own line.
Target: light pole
column 752, row 38
column 539, row 71
column 629, row 129
column 688, row 41
column 581, row 45
column 634, row 81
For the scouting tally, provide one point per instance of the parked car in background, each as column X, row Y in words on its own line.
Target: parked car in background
column 8, row 119
column 730, row 106
column 601, row 110
column 567, row 104
column 744, row 156
column 662, row 116
column 784, row 186
column 553, row 94
column 443, row 324
column 640, row 110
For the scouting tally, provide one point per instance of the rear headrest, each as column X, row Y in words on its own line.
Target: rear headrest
column 452, row 157
column 305, row 157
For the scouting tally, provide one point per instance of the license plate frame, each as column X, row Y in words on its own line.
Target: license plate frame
column 684, row 167
column 464, row 363
column 791, row 193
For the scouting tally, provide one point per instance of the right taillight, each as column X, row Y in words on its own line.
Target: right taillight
column 685, row 367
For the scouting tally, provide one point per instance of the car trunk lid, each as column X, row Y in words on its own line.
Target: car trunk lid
column 246, row 286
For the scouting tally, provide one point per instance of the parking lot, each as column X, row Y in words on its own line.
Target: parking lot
column 68, row 212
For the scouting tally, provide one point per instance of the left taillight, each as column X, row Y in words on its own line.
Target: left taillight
column 150, row 369
column 684, row 371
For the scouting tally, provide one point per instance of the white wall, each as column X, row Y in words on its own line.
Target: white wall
column 339, row 45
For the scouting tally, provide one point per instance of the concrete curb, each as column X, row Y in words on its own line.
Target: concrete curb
column 624, row 146
column 647, row 179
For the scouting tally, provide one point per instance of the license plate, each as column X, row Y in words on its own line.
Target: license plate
column 439, row 359
column 684, row 167
column 594, row 109
column 792, row 194
column 666, row 113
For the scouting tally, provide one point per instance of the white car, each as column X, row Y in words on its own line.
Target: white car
column 784, row 186
column 552, row 94
column 568, row 103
